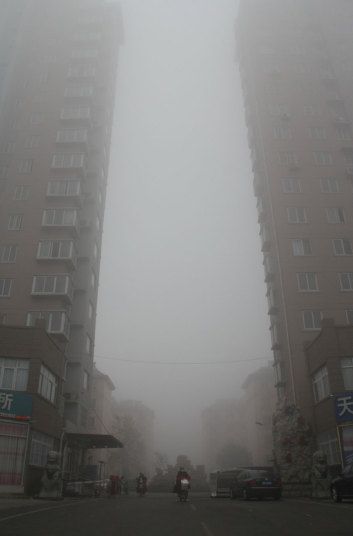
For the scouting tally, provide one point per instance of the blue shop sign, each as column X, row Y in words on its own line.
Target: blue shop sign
column 15, row 405
column 344, row 407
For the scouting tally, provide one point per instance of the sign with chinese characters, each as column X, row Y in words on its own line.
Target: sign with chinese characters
column 15, row 405
column 344, row 407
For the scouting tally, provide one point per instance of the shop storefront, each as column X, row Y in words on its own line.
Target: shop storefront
column 15, row 414
column 344, row 419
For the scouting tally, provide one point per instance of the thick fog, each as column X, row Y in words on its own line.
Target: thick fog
column 181, row 274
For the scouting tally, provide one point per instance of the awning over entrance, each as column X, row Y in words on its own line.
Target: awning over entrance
column 93, row 441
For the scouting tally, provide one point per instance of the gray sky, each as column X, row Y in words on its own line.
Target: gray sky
column 181, row 275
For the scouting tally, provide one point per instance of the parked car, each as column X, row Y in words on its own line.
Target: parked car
column 342, row 485
column 256, row 483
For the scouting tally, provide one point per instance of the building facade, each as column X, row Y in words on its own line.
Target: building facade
column 330, row 367
column 32, row 369
column 297, row 75
column 56, row 119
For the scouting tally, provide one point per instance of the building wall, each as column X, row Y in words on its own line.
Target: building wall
column 76, row 48
column 297, row 87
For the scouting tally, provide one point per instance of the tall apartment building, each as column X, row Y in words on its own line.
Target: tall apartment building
column 297, row 78
column 55, row 137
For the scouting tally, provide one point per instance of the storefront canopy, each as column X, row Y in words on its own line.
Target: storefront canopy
column 93, row 441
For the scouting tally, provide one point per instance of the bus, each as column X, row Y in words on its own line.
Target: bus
column 220, row 482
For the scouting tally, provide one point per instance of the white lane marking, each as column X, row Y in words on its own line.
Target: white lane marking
column 193, row 507
column 206, row 529
column 40, row 510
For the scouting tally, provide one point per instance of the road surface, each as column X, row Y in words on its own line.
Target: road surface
column 161, row 515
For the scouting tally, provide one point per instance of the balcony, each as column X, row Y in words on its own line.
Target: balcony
column 71, row 137
column 76, row 115
column 53, row 286
column 69, row 163
column 68, row 189
column 61, row 218
column 265, row 239
column 57, row 250
column 56, row 322
column 269, row 267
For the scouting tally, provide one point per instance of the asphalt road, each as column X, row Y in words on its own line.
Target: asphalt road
column 161, row 515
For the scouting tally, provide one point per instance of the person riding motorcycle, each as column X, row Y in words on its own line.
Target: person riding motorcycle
column 141, row 484
column 181, row 475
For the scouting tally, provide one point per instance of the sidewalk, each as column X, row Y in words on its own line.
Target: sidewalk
column 21, row 502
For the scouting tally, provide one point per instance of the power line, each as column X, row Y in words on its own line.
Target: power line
column 183, row 363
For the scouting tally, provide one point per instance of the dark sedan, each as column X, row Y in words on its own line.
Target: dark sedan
column 253, row 483
column 342, row 485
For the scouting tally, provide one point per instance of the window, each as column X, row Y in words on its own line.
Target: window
column 335, row 215
column 71, row 136
column 321, row 385
column 93, row 279
column 51, row 284
column 40, row 446
column 301, row 246
column 79, row 91
column 296, row 215
column 48, row 384
column 89, row 344
column 21, row 192
column 282, row 133
column 309, row 110
column 90, row 36
column 62, row 217
column 347, row 372
column 8, row 253
column 4, row 170
column 5, row 288
column 85, row 380
column 81, row 71
column 328, row 443
column 317, row 133
column 279, row 109
column 67, row 160
column 15, row 222
column 323, row 158
column 342, row 246
column 349, row 316
column 37, row 118
column 55, row 249
column 25, row 166
column 56, row 321
column 64, row 188
column 329, row 185
column 307, row 281
column 288, row 158
column 78, row 112
column 90, row 310
column 14, row 373
column 346, row 280
column 291, row 185
column 344, row 132
column 8, row 147
column 84, row 53
column 32, row 142
column 312, row 320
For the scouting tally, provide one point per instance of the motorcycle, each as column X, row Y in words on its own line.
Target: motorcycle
column 183, row 492
column 141, row 488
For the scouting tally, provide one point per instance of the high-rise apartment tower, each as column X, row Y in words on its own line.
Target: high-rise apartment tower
column 297, row 77
column 57, row 90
